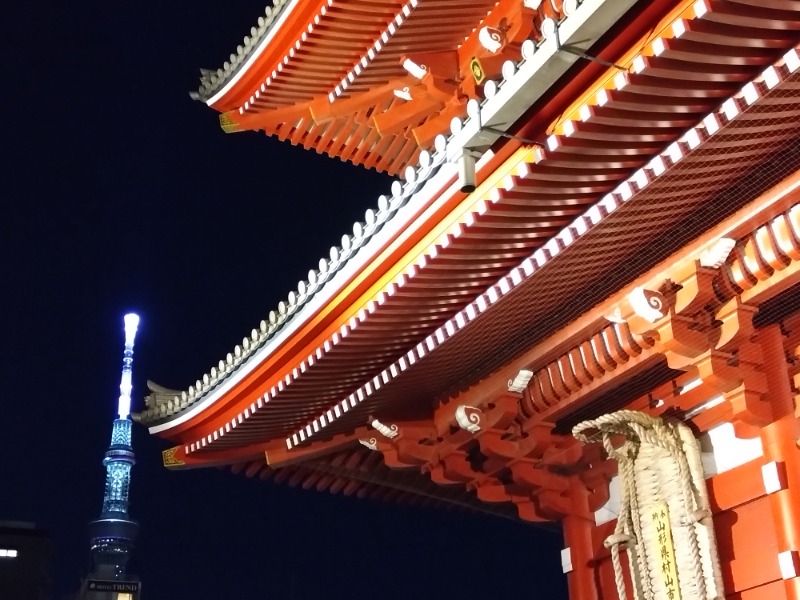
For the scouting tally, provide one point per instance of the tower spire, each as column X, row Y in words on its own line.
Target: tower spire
column 114, row 532
column 125, row 385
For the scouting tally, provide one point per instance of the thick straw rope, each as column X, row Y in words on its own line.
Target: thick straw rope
column 659, row 462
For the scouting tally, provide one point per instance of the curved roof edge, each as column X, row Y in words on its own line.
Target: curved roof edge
column 213, row 82
column 263, row 339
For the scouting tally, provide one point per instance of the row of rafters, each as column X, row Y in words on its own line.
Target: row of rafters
column 342, row 89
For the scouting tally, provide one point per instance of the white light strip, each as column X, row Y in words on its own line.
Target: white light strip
column 704, row 406
column 690, row 385
column 789, row 564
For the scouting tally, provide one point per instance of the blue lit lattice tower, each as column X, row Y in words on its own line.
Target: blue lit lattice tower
column 114, row 532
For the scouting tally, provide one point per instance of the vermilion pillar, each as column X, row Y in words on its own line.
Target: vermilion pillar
column 782, row 472
column 578, row 528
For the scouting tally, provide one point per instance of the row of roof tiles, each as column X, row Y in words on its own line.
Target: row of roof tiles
column 212, row 81
column 307, row 289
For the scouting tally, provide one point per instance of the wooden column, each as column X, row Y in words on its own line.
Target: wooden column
column 779, row 439
column 578, row 527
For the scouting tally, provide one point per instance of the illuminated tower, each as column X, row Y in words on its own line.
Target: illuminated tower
column 113, row 533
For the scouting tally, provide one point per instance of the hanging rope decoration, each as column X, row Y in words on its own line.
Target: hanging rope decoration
column 665, row 520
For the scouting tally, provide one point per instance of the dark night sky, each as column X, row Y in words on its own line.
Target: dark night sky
column 120, row 193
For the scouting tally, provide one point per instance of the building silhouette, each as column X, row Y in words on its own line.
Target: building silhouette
column 25, row 559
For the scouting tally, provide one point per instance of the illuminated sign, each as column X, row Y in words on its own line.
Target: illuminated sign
column 99, row 585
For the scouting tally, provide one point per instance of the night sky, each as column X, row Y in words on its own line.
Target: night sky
column 120, row 193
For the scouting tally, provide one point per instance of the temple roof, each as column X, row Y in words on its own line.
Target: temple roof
column 374, row 82
column 437, row 291
column 658, row 85
column 685, row 190
column 422, row 183
column 656, row 156
column 321, row 283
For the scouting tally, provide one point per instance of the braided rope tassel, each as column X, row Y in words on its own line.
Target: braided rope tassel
column 660, row 471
